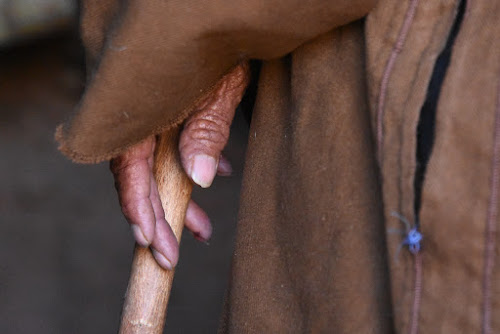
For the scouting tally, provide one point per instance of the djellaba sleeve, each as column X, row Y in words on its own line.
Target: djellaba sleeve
column 150, row 61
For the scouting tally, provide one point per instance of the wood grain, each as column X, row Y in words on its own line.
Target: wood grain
column 145, row 306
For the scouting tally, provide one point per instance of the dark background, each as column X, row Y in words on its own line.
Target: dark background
column 65, row 249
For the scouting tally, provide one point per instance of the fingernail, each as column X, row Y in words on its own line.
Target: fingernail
column 203, row 170
column 162, row 260
column 139, row 236
column 224, row 168
column 198, row 237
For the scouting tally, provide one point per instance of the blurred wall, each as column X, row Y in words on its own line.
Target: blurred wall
column 27, row 18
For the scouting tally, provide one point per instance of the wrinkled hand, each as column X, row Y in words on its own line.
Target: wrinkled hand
column 202, row 140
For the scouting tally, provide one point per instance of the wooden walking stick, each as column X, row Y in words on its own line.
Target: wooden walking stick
column 149, row 286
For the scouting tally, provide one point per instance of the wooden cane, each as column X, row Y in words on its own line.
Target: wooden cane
column 145, row 306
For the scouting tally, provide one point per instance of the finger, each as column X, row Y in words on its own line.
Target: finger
column 224, row 168
column 206, row 132
column 165, row 247
column 132, row 179
column 156, row 201
column 197, row 222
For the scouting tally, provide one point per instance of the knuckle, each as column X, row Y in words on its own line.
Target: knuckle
column 128, row 209
column 210, row 119
column 119, row 164
column 208, row 130
column 208, row 136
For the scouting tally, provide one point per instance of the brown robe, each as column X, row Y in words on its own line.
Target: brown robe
column 332, row 150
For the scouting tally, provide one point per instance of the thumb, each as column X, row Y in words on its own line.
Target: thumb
column 206, row 132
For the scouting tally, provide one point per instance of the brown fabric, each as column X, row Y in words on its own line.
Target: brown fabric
column 312, row 258
column 157, row 57
column 97, row 19
column 458, row 184
column 405, row 96
column 315, row 250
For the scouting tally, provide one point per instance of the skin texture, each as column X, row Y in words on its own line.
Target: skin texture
column 202, row 140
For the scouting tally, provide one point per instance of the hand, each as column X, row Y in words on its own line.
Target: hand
column 202, row 140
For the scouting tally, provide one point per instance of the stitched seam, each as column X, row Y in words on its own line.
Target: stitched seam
column 417, row 294
column 396, row 50
column 491, row 228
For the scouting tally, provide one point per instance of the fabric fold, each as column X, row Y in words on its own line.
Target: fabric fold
column 151, row 61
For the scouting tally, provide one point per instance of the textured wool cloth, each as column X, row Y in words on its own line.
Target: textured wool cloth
column 332, row 154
